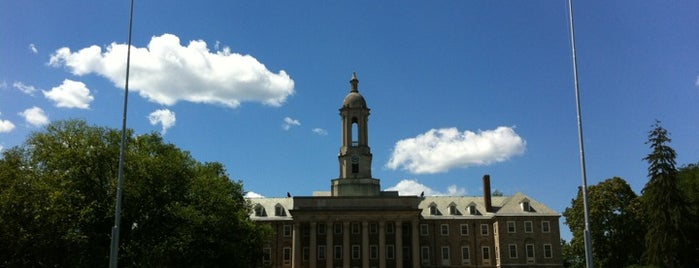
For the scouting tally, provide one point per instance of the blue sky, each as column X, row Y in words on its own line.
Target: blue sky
column 457, row 89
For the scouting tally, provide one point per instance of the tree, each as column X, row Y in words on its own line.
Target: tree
column 57, row 203
column 616, row 233
column 664, row 206
column 689, row 184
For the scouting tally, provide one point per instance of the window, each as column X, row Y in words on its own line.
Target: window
column 306, row 253
column 337, row 228
column 390, row 252
column 528, row 227
column 373, row 228
column 465, row 255
column 321, row 252
column 464, row 229
column 389, row 227
column 433, row 210
column 545, row 226
column 511, row 227
column 266, row 255
column 530, row 252
column 425, row 254
column 373, row 252
column 321, row 228
column 444, row 229
column 513, row 251
column 279, row 210
column 484, row 229
column 525, row 205
column 472, row 209
column 485, row 253
column 287, row 254
column 356, row 253
column 337, row 252
column 355, row 228
column 287, row 230
column 355, row 168
column 453, row 210
column 445, row 255
column 406, row 253
column 547, row 251
column 424, row 230
column 260, row 211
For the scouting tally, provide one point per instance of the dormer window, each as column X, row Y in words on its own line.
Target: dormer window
column 452, row 209
column 472, row 209
column 279, row 210
column 260, row 211
column 525, row 205
column 433, row 209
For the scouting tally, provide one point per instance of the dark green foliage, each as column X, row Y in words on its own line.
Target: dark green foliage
column 664, row 207
column 57, row 204
column 689, row 185
column 616, row 234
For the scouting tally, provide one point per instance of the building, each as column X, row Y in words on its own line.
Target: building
column 356, row 224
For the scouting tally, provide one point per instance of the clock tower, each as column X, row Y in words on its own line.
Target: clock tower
column 355, row 155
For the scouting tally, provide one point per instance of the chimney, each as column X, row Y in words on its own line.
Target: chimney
column 486, row 193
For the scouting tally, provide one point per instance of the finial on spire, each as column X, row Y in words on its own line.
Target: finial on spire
column 354, row 82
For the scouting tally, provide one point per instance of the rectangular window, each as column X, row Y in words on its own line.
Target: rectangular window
column 513, row 251
column 390, row 252
column 530, row 252
column 545, row 226
column 464, row 229
column 356, row 253
column 287, row 230
column 321, row 228
column 306, row 253
column 472, row 210
column 484, row 229
column 528, row 227
column 465, row 255
column 373, row 228
column 287, row 254
column 279, row 211
column 321, row 252
column 266, row 255
column 338, row 228
column 337, row 252
column 433, row 210
column 444, row 229
column 424, row 230
column 389, row 227
column 355, row 228
column 425, row 254
column 453, row 211
column 445, row 254
column 511, row 227
column 485, row 253
column 373, row 252
column 547, row 251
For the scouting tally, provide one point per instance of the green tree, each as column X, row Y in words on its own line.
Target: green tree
column 689, row 184
column 664, row 206
column 616, row 233
column 57, row 203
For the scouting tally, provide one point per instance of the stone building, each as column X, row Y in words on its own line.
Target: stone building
column 356, row 224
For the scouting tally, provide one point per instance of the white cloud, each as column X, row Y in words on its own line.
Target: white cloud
column 440, row 150
column 33, row 49
column 1, row 148
column 413, row 187
column 164, row 117
column 35, row 116
column 6, row 126
column 26, row 89
column 320, row 131
column 166, row 72
column 70, row 94
column 697, row 82
column 290, row 122
column 253, row 195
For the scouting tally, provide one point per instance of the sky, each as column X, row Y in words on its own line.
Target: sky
column 457, row 89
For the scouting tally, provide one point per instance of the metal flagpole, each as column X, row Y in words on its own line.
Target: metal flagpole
column 588, row 239
column 114, row 252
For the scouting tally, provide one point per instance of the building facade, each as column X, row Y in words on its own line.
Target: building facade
column 356, row 224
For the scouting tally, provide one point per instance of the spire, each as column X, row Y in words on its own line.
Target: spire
column 354, row 82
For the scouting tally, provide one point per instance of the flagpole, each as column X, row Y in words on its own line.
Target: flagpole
column 114, row 252
column 588, row 239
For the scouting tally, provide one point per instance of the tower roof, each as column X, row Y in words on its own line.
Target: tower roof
column 354, row 99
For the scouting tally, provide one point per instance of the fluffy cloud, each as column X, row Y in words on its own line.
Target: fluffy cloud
column 320, row 131
column 6, row 126
column 26, row 89
column 290, row 122
column 413, row 187
column 35, row 116
column 70, row 94
column 166, row 72
column 253, row 195
column 33, row 49
column 439, row 150
column 164, row 117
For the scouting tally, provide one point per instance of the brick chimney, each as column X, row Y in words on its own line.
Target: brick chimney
column 486, row 193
